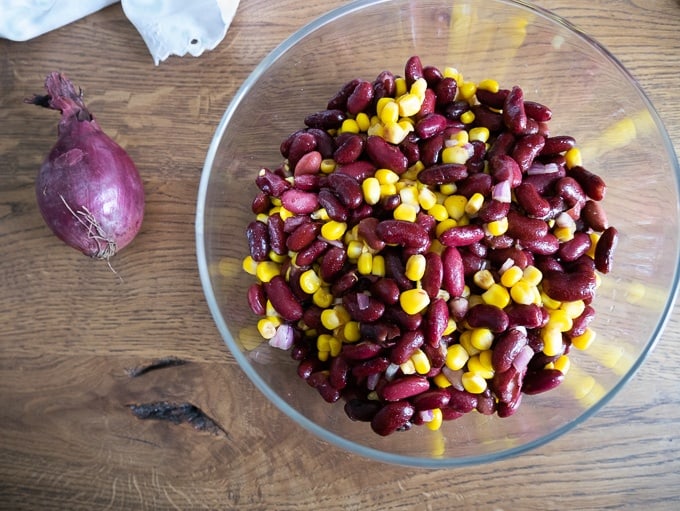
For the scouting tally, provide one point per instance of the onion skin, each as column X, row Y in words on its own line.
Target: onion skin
column 89, row 191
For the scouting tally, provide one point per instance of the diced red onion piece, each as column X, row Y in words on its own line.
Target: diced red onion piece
column 523, row 357
column 283, row 338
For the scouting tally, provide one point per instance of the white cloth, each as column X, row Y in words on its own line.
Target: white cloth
column 168, row 27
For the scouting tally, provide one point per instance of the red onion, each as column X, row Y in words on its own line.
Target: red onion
column 88, row 189
column 501, row 191
column 283, row 338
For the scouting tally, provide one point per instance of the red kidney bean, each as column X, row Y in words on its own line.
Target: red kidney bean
column 388, row 82
column 568, row 287
column 436, row 321
column 407, row 322
column 391, row 417
column 308, row 164
column 547, row 245
column 277, row 236
column 461, row 400
column 319, row 380
column 404, row 387
column 302, row 236
column 338, row 372
column 379, row 331
column 514, row 114
column 487, row 316
column 454, row 272
column 504, row 168
column 363, row 350
column 574, row 248
column 258, row 240
column 312, row 316
column 486, row 404
column 364, row 308
column 476, row 163
column 525, row 228
column 293, row 277
column 367, row 231
column 506, row 385
column 413, row 70
column 442, row 174
column 592, row 184
column 445, row 91
column 471, row 263
column 499, row 256
column 437, row 355
column 526, row 149
column 431, row 399
column 358, row 170
column 487, row 118
column 358, row 214
column 404, row 233
column 475, row 183
column 307, row 367
column 349, row 150
column 299, row 202
column 369, row 367
column 306, row 256
column 385, row 155
column 537, row 111
column 302, row 144
column 394, row 267
column 261, row 203
column 506, row 347
column 329, row 201
column 332, row 263
column 449, row 414
column 604, row 250
column 360, row 98
column 271, row 183
column 430, row 125
column 284, row 148
column 410, row 148
column 594, row 216
column 308, row 182
column 492, row 99
column 536, row 382
column 386, row 290
column 282, row 299
column 430, row 149
column 506, row 409
column 257, row 299
column 526, row 315
column 580, row 324
column 570, row 190
column 531, row 201
column 406, row 345
column 325, row 144
column 434, row 274
column 291, row 223
column 461, row 236
column 362, row 410
column 347, row 189
column 339, row 99
column 503, row 144
column 557, row 144
column 428, row 105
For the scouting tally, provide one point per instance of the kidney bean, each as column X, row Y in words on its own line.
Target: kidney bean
column 338, row 372
column 312, row 316
column 282, row 299
column 486, row 404
column 594, row 216
column 570, row 190
column 536, row 382
column 257, row 299
column 410, row 148
column 476, row 162
column 388, row 80
column 261, row 203
column 568, row 287
column 258, row 240
column 360, row 98
column 358, row 170
column 471, row 263
column 429, row 104
column 332, row 263
column 514, row 114
column 329, row 201
column 461, row 400
column 404, row 233
column 358, row 214
column 461, row 236
column 365, row 308
column 445, row 91
column 308, row 164
column 404, row 387
column 431, row 399
column 436, row 321
column 302, row 144
column 487, row 316
column 503, row 144
column 574, row 248
column 504, row 168
column 453, row 280
column 557, row 144
column 506, row 409
column 271, row 183
column 302, row 236
column 531, row 201
column 407, row 322
column 525, row 228
column 299, row 202
column 394, row 267
column 385, row 155
column 379, row 331
column 347, row 189
column 487, row 118
column 506, row 385
column 349, row 150
column 499, row 256
column 277, row 236
column 506, row 347
column 339, row 99
column 406, row 345
column 526, row 315
column 537, row 111
column 363, row 350
column 430, row 149
column 308, row 182
column 362, row 410
column 309, row 254
column 526, row 149
column 442, row 174
column 370, row 367
column 492, row 99
column 390, row 202
column 475, row 183
column 367, row 231
column 319, row 380
column 547, row 245
column 581, row 323
column 430, row 125
column 307, row 367
column 391, row 417
column 604, row 250
column 592, row 184
column 386, row 290
column 413, row 70
column 325, row 144
column 434, row 274
column 449, row 414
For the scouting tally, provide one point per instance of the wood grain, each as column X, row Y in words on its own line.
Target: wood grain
column 70, row 329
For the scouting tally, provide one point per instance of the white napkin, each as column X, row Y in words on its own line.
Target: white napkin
column 168, row 27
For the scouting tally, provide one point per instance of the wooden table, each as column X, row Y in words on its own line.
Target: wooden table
column 71, row 331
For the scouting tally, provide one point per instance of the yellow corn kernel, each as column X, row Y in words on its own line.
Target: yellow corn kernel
column 474, row 204
column 349, row 126
column 418, row 87
column 583, row 341
column 485, row 358
column 443, row 225
column 467, row 117
column 409, row 194
column 342, row 314
column 522, row 292
column 473, row 383
column 310, row 281
column 379, row 106
column 270, row 310
column 481, row 338
column 394, row 132
column 371, row 190
column 413, row 301
column 262, row 217
column 511, row 276
column 351, row 331
column 438, row 211
column 559, row 320
column 354, row 249
column 532, row 275
column 456, row 357
column 327, row 165
column 363, row 121
column 267, row 326
column 455, row 205
column 323, row 342
column 483, row 279
column 497, row 227
column 479, row 133
column 496, row 295
column 448, row 188
column 330, row 319
column 267, row 270
column 562, row 364
column 441, row 381
column 573, row 309
column 563, row 233
column 594, row 238
column 465, row 340
column 406, row 212
column 489, row 85
column 420, row 362
column 335, row 346
column 436, row 422
column 386, row 176
column 573, row 157
column 475, row 366
column 455, row 154
column 467, row 90
column 388, row 189
column 552, row 341
column 323, row 297
column 333, row 230
column 450, row 327
column 375, row 130
column 415, row 267
column 365, row 263
column 408, row 367
column 409, row 104
column 249, row 265
column 452, row 72
column 428, row 199
column 285, row 214
column 378, row 268
column 320, row 214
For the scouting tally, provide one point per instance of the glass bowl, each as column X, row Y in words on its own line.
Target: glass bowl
column 593, row 98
